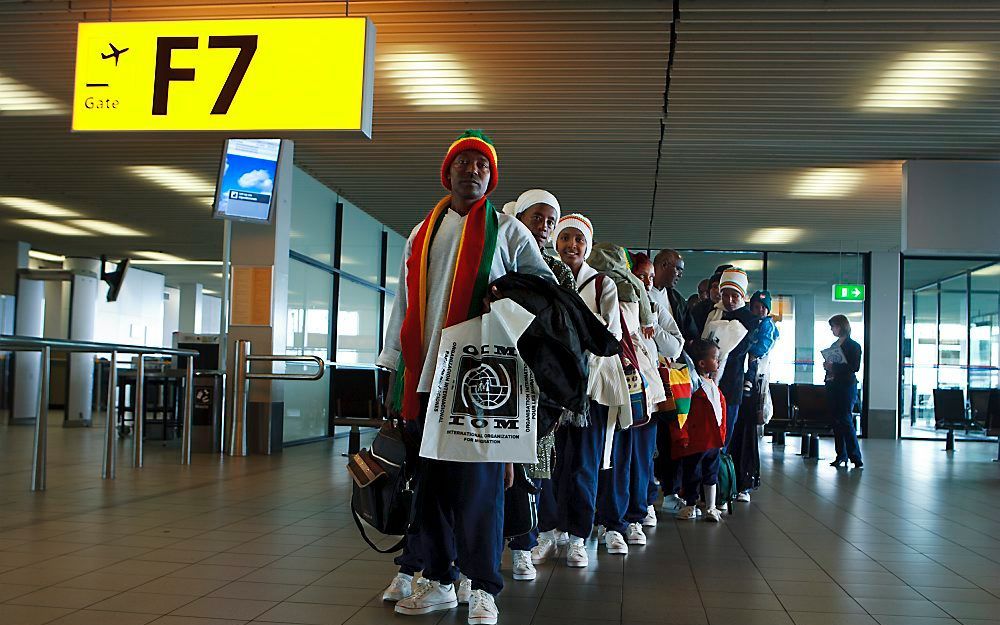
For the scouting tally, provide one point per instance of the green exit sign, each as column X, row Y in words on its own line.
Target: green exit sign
column 848, row 292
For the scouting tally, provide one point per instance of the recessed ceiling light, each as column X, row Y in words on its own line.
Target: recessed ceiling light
column 217, row 275
column 37, row 207
column 827, row 182
column 775, row 236
column 431, row 80
column 160, row 256
column 17, row 98
column 40, row 255
column 108, row 228
column 926, row 80
column 52, row 227
column 176, row 179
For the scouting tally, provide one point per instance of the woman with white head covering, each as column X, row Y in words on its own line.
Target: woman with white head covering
column 538, row 210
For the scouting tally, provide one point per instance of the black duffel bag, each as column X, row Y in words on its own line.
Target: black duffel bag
column 383, row 486
column 520, row 514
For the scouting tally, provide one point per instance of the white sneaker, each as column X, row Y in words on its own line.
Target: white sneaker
column 576, row 554
column 483, row 608
column 464, row 589
column 524, row 570
column 545, row 549
column 400, row 588
column 650, row 520
column 744, row 497
column 427, row 598
column 615, row 543
column 712, row 516
column 635, row 534
column 672, row 504
column 562, row 539
column 688, row 513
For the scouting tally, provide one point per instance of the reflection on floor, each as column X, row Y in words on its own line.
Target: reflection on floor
column 912, row 539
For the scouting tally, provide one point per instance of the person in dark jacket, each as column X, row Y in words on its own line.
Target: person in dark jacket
column 701, row 311
column 842, row 391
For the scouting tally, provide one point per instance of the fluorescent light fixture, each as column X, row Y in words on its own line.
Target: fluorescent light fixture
column 209, row 292
column 161, row 256
column 107, row 227
column 180, row 262
column 17, row 98
column 775, row 236
column 827, row 182
column 748, row 264
column 40, row 255
column 176, row 179
column 926, row 80
column 217, row 275
column 37, row 207
column 52, row 227
column 431, row 80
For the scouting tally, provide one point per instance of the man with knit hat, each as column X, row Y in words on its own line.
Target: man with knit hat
column 450, row 258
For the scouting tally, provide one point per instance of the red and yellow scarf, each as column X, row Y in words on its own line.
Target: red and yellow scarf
column 469, row 284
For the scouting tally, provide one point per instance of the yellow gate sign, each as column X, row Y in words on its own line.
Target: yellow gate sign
column 257, row 74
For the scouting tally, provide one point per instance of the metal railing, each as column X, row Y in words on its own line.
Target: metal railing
column 241, row 378
column 108, row 466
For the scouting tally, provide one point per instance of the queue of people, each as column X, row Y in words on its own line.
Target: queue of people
column 635, row 441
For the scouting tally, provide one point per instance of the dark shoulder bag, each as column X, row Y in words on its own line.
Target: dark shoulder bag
column 382, row 493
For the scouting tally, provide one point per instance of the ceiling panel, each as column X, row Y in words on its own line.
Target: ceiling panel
column 572, row 93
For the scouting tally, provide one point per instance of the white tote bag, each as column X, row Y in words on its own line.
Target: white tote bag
column 484, row 402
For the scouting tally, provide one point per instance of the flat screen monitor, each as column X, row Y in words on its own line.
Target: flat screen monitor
column 247, row 179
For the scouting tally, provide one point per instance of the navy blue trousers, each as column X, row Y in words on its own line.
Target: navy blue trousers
column 614, row 485
column 841, row 397
column 547, row 520
column 641, row 472
column 699, row 470
column 667, row 469
column 578, row 461
column 461, row 520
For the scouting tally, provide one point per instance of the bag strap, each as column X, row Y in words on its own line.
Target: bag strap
column 364, row 534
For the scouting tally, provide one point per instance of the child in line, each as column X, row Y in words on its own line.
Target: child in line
column 698, row 441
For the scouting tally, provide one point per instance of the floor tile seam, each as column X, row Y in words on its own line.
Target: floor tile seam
column 808, row 555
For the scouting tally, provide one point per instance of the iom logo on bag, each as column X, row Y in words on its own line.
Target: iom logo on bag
column 486, row 387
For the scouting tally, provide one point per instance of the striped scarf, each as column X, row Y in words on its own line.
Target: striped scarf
column 469, row 284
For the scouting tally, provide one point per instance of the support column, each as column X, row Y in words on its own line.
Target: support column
column 191, row 308
column 805, row 337
column 28, row 321
column 262, row 247
column 883, row 345
column 82, row 321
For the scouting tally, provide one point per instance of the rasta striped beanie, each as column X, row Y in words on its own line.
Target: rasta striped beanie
column 735, row 279
column 472, row 140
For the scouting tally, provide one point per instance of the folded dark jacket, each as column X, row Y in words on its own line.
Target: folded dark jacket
column 556, row 344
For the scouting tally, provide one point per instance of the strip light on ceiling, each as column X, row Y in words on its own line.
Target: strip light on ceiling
column 160, row 256
column 52, row 227
column 926, row 80
column 40, row 255
column 827, row 182
column 431, row 80
column 107, row 228
column 176, row 179
column 775, row 236
column 37, row 207
column 17, row 98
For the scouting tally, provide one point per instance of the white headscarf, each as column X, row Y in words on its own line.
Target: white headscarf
column 528, row 199
column 581, row 223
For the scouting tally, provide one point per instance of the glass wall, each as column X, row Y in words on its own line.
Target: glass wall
column 342, row 284
column 950, row 334
column 699, row 265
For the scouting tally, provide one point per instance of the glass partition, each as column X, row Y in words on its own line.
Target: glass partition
column 950, row 340
column 699, row 265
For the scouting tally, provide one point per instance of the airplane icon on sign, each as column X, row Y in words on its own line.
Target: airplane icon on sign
column 115, row 53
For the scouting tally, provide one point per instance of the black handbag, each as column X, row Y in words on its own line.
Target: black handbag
column 383, row 487
column 520, row 514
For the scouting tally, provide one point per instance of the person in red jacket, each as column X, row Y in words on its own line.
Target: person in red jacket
column 698, row 441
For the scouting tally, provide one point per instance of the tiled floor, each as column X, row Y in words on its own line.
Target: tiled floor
column 914, row 539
